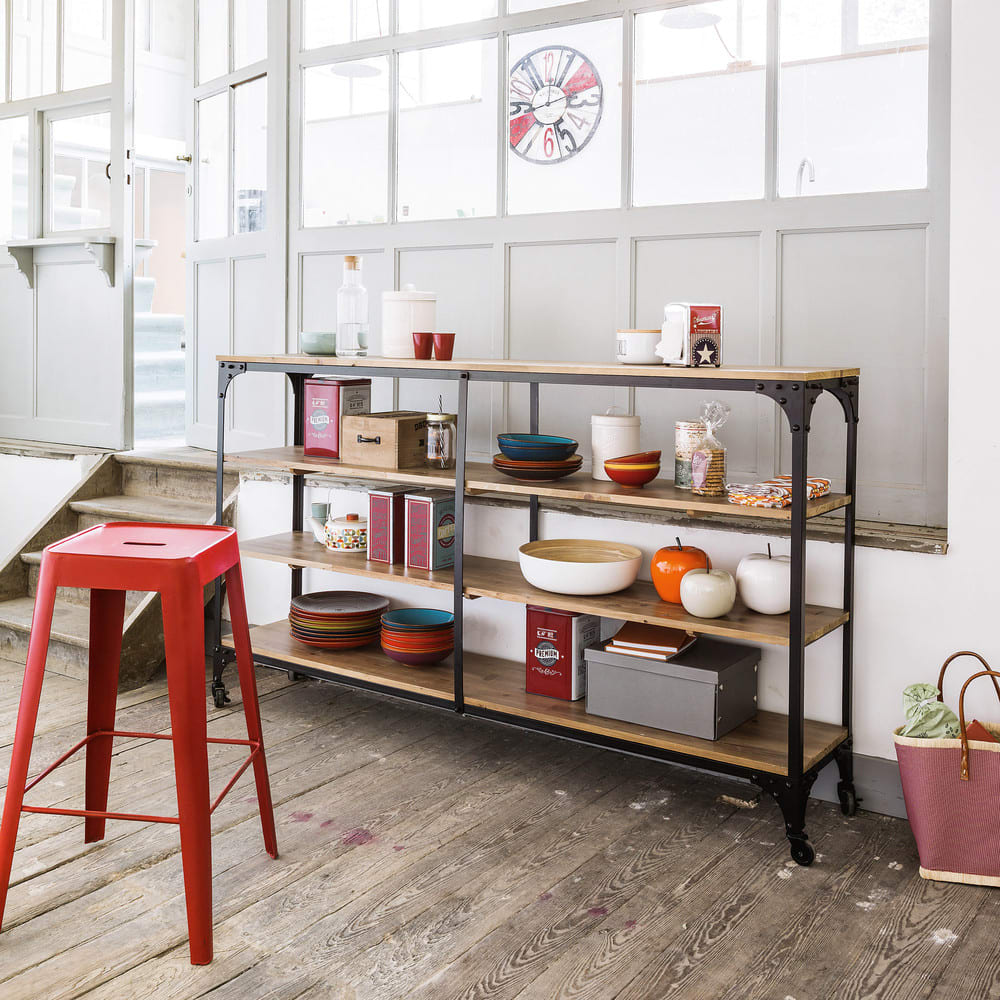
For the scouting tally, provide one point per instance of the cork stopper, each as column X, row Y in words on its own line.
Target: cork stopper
column 352, row 262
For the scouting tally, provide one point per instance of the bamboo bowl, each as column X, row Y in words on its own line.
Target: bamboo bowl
column 579, row 565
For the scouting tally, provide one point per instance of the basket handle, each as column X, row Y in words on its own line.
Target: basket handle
column 955, row 656
column 964, row 772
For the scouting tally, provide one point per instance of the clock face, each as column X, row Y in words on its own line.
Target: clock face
column 556, row 98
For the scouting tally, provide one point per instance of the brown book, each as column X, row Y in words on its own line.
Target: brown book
column 642, row 654
column 652, row 638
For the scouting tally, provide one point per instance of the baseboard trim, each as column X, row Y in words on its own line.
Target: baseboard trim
column 876, row 782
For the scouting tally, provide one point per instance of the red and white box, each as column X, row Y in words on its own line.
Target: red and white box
column 387, row 524
column 327, row 401
column 554, row 660
column 430, row 529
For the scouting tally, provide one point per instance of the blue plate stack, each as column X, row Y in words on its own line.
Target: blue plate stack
column 536, row 457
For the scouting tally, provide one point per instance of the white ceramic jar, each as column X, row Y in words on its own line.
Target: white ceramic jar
column 403, row 314
column 612, row 435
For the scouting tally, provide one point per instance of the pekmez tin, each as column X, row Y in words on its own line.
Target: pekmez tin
column 430, row 529
column 554, row 660
column 327, row 402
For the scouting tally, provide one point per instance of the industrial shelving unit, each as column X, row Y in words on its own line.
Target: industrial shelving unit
column 782, row 754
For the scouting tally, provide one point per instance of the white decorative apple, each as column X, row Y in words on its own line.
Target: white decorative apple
column 708, row 593
column 764, row 582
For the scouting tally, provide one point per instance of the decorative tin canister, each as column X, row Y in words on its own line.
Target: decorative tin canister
column 327, row 402
column 554, row 660
column 687, row 435
column 430, row 529
column 387, row 524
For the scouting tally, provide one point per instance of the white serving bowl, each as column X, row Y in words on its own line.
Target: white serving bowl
column 579, row 565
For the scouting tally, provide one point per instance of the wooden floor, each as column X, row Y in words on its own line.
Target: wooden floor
column 427, row 857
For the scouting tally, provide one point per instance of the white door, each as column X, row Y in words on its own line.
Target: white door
column 66, row 219
column 235, row 219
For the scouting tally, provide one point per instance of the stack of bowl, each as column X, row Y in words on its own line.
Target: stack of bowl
column 336, row 619
column 535, row 458
column 634, row 471
column 418, row 637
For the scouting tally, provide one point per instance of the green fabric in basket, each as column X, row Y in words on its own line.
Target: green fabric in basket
column 926, row 716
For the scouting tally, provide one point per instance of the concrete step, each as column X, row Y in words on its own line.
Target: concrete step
column 73, row 595
column 157, row 371
column 142, row 508
column 165, row 477
column 68, row 640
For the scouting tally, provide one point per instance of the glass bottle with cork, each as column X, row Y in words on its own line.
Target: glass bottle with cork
column 352, row 312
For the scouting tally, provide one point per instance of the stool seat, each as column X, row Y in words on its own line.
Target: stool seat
column 176, row 560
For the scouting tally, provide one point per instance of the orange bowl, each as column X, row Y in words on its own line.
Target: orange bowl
column 634, row 471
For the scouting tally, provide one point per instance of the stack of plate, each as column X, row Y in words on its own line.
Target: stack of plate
column 535, row 458
column 336, row 619
column 418, row 636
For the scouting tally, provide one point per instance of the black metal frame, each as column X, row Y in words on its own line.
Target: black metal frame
column 796, row 399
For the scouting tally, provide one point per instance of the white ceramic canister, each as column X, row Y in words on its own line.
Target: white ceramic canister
column 612, row 435
column 403, row 314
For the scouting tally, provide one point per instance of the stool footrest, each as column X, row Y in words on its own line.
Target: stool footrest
column 254, row 745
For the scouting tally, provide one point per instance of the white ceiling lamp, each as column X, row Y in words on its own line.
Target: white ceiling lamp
column 687, row 18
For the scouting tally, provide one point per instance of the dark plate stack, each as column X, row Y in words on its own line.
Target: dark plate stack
column 536, row 458
column 337, row 619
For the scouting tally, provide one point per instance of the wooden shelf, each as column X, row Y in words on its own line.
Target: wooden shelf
column 502, row 580
column 481, row 478
column 507, row 367
column 497, row 685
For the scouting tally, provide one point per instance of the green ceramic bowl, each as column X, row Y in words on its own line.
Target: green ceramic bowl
column 319, row 343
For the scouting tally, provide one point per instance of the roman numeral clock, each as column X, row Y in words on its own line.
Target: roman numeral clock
column 556, row 99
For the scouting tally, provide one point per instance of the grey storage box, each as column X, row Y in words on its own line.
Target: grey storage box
column 705, row 690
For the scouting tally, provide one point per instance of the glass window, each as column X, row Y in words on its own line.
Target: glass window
column 417, row 14
column 213, row 166
column 699, row 103
column 13, row 178
column 87, row 43
column 3, row 51
column 249, row 32
column 33, row 48
column 79, row 187
column 332, row 23
column 852, row 113
column 213, row 39
column 250, row 156
column 564, row 115
column 516, row 6
column 345, row 142
column 447, row 131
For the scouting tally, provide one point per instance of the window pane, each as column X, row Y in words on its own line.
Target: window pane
column 13, row 179
column 564, row 111
column 447, row 131
column 33, row 48
column 213, row 39
column 852, row 115
column 331, row 23
column 345, row 142
column 249, row 32
column 699, row 103
column 87, row 48
column 516, row 6
column 3, row 51
column 78, row 190
column 250, row 156
column 213, row 168
column 417, row 14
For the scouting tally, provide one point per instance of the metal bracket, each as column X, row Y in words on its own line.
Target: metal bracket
column 796, row 400
column 228, row 370
column 847, row 394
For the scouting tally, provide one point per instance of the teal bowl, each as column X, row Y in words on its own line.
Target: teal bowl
column 417, row 619
column 536, row 447
column 318, row 343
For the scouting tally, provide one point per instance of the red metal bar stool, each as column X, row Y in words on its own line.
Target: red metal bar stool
column 176, row 560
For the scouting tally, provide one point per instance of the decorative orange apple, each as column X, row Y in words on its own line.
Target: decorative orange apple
column 670, row 564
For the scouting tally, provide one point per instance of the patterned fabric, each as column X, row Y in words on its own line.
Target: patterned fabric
column 775, row 492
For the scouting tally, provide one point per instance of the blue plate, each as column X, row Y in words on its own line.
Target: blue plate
column 418, row 619
column 536, row 447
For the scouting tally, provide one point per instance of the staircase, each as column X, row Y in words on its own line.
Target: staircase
column 174, row 487
column 159, row 371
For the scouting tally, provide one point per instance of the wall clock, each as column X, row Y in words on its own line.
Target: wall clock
column 556, row 98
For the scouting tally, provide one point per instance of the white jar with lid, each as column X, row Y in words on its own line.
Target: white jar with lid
column 403, row 314
column 612, row 435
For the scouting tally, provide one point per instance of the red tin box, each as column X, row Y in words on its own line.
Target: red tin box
column 554, row 661
column 387, row 524
column 430, row 529
column 327, row 402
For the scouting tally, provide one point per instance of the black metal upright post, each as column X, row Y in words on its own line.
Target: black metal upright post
column 459, row 571
column 533, row 429
column 298, row 479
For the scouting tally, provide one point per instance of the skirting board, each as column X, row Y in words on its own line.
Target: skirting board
column 876, row 781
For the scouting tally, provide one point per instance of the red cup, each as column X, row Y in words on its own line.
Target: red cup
column 444, row 346
column 422, row 344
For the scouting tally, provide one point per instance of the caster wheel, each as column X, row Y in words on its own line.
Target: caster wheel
column 293, row 676
column 803, row 853
column 848, row 799
column 220, row 697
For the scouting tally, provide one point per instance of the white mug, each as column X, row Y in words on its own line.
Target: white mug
column 637, row 347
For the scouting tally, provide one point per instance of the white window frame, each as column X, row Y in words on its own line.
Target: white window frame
column 768, row 218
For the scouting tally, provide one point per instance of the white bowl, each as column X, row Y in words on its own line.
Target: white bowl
column 579, row 565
